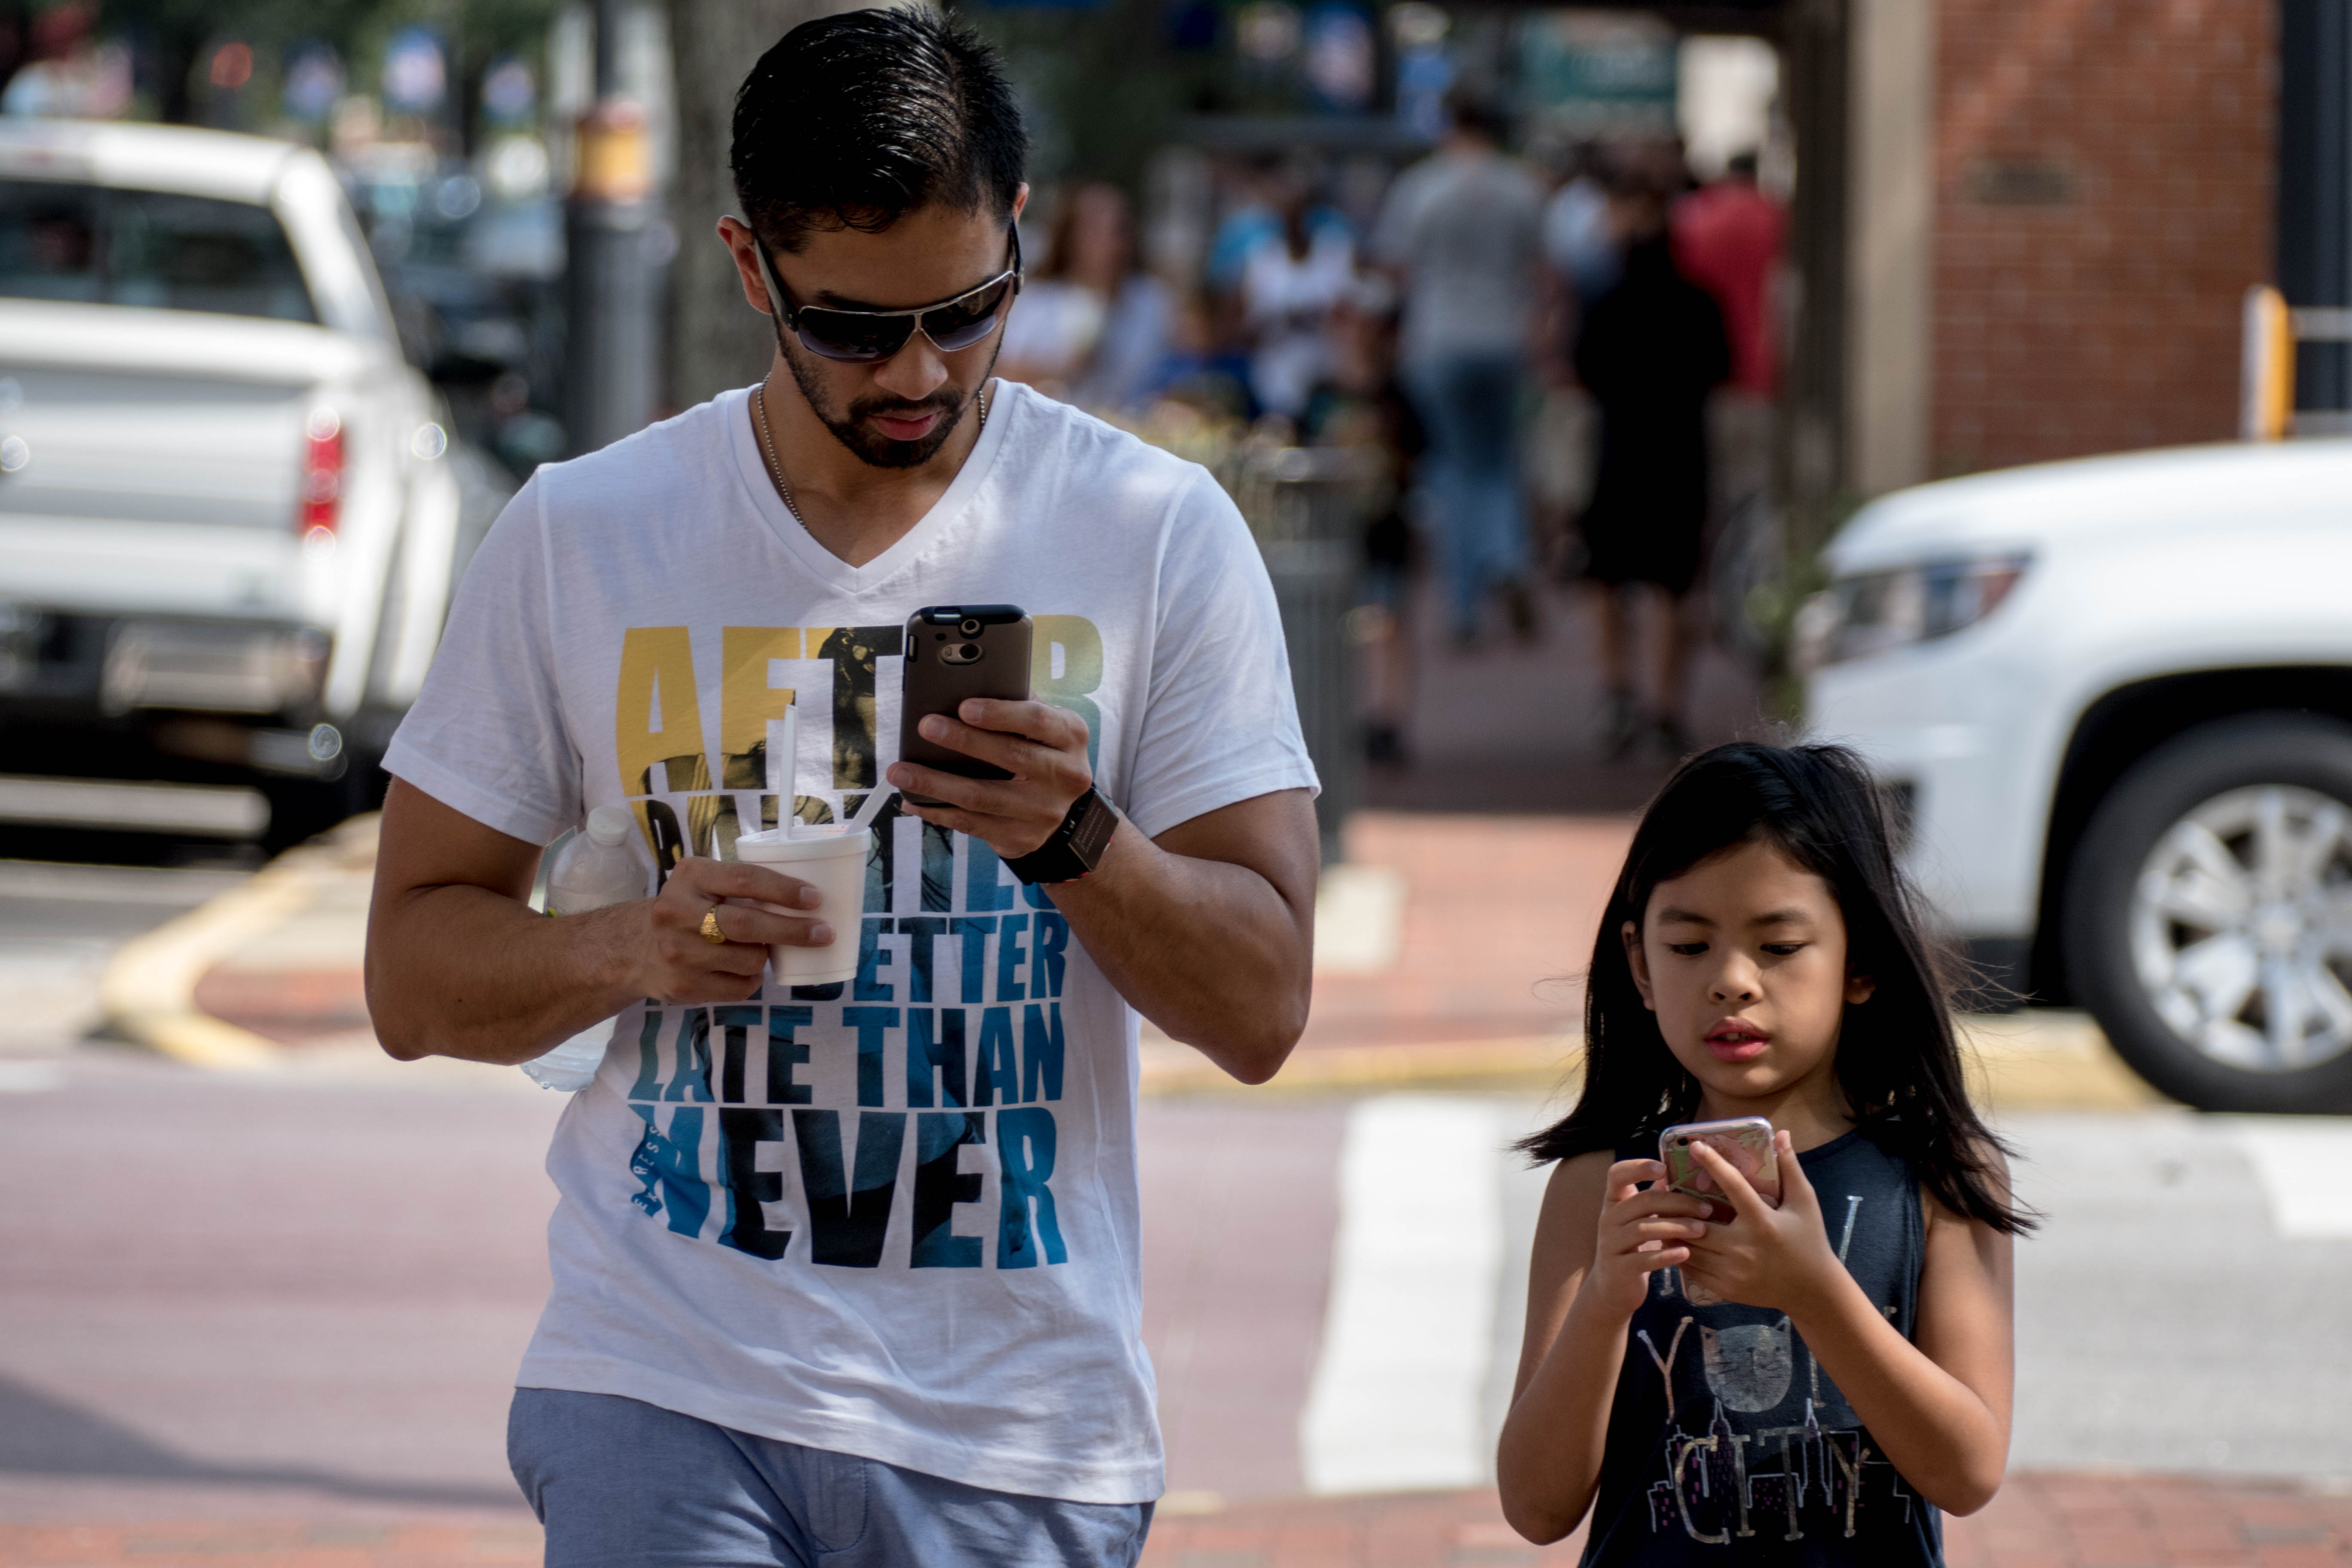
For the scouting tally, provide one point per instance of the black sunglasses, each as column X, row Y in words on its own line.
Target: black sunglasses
column 865, row 337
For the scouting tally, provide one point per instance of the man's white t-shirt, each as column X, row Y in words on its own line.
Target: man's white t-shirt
column 896, row 1217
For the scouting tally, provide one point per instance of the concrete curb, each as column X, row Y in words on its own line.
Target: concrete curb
column 2046, row 1059
column 1534, row 1061
column 2042, row 1061
column 147, row 994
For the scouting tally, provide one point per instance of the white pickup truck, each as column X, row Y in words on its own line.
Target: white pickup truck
column 2115, row 699
column 229, row 518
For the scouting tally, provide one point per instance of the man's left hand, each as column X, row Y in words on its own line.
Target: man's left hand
column 1043, row 747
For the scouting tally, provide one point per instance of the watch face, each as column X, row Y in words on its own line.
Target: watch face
column 1094, row 830
column 1074, row 848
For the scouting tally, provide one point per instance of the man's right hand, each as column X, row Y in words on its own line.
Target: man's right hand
column 672, row 961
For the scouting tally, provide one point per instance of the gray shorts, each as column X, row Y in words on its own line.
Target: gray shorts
column 631, row 1485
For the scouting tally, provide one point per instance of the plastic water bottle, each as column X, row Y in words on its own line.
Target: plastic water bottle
column 593, row 870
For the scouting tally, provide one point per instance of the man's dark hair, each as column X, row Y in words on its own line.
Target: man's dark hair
column 854, row 120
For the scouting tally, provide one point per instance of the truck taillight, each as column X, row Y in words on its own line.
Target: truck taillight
column 322, row 474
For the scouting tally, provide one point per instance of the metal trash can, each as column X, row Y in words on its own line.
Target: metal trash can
column 1308, row 506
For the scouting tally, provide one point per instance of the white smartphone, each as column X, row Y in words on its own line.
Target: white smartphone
column 1745, row 1140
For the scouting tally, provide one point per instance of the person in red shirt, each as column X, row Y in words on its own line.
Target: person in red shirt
column 1728, row 239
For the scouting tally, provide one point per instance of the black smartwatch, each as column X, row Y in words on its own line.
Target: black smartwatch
column 1075, row 848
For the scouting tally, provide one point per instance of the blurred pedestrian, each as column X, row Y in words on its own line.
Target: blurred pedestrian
column 1728, row 240
column 790, row 1321
column 1361, row 406
column 1290, row 286
column 1093, row 327
column 1270, row 187
column 1760, row 960
column 1579, row 238
column 1650, row 350
column 1462, row 229
column 1250, row 219
column 1581, row 257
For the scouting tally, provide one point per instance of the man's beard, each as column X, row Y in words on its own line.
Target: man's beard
column 880, row 451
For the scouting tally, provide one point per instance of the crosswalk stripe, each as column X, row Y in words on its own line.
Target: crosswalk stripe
column 1398, row 1394
column 2301, row 1162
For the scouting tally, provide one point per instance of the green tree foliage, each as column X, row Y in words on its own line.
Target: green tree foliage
column 1101, row 85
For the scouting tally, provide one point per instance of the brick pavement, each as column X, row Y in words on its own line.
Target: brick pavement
column 1498, row 927
column 312, row 1543
column 1498, row 923
column 2037, row 1522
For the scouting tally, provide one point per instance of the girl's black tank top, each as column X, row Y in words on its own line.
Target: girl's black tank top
column 1727, row 1444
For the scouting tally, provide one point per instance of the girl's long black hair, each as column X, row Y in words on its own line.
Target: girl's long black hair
column 1898, row 1060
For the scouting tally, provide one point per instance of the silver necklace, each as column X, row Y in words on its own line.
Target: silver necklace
column 776, row 470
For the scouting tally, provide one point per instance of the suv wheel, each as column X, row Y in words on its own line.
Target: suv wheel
column 2208, row 919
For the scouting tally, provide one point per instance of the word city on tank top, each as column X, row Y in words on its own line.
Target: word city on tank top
column 1727, row 1443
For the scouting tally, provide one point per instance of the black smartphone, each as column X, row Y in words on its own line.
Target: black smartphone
column 953, row 652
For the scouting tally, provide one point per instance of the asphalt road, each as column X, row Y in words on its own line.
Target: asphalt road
column 59, row 923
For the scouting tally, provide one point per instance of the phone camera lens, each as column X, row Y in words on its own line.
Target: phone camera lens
column 970, row 628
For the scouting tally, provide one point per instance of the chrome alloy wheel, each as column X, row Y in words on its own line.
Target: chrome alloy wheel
column 2241, row 928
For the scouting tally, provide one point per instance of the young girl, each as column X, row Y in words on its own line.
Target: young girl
column 1760, row 957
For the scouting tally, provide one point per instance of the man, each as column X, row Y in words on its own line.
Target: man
column 851, row 1271
column 1462, row 227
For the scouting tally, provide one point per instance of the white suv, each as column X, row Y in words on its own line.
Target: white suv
column 228, row 528
column 2113, row 700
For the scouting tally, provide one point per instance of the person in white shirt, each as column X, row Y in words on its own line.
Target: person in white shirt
column 1291, row 284
column 851, row 1271
column 1094, row 328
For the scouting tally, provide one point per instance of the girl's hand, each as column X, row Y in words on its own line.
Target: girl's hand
column 1641, row 1230
column 1779, row 1258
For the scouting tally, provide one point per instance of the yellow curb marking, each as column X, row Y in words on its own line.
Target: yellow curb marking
column 2047, row 1061
column 148, row 992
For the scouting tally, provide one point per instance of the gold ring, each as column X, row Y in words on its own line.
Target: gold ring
column 710, row 932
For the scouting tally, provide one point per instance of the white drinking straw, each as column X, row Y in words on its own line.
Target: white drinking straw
column 871, row 807
column 783, row 770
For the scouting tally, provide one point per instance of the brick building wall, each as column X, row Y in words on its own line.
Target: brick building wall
column 2103, row 186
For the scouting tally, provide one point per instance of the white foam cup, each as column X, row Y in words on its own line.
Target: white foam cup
column 834, row 865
